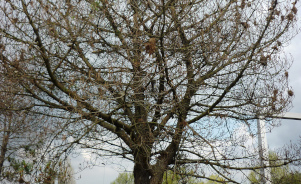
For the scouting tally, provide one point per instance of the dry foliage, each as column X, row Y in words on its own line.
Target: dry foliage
column 214, row 66
column 150, row 46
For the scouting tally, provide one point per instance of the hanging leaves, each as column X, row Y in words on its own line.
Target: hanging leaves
column 263, row 60
column 150, row 46
column 294, row 9
column 290, row 93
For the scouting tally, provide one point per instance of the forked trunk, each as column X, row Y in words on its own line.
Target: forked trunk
column 145, row 176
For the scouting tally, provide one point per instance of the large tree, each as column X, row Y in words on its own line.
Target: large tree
column 161, row 83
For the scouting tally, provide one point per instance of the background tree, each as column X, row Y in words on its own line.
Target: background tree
column 157, row 82
column 279, row 175
column 25, row 139
column 214, row 179
column 19, row 135
column 124, row 178
column 66, row 173
column 170, row 177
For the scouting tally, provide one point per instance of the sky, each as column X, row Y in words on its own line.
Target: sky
column 289, row 131
column 104, row 173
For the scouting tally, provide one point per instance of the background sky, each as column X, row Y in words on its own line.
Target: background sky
column 289, row 131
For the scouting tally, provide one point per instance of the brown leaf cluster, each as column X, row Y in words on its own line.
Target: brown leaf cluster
column 263, row 60
column 150, row 46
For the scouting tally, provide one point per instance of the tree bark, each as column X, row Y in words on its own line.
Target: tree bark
column 4, row 144
column 142, row 172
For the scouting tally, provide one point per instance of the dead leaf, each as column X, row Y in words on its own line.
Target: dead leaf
column 150, row 46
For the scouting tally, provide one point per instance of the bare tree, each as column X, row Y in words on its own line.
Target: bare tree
column 162, row 83
column 19, row 139
column 26, row 139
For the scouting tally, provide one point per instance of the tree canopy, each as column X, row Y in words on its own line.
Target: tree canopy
column 162, row 83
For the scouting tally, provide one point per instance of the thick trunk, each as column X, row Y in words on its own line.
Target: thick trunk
column 157, row 179
column 145, row 176
column 144, row 140
column 142, row 175
column 158, row 174
column 142, row 172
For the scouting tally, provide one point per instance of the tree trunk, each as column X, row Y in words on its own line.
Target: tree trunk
column 145, row 176
column 142, row 173
column 5, row 140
